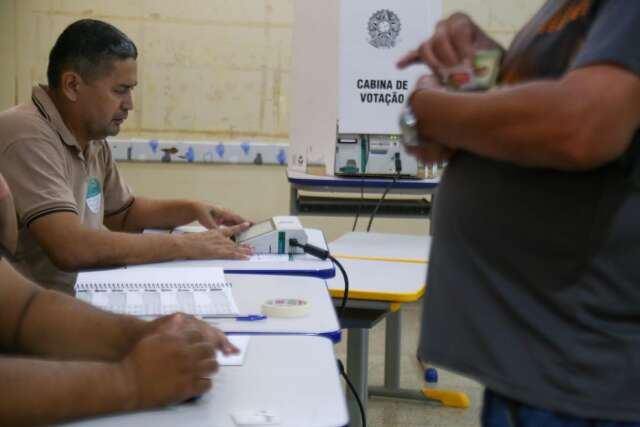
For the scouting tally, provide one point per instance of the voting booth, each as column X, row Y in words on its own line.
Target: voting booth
column 347, row 92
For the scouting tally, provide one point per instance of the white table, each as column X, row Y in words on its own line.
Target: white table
column 375, row 280
column 250, row 291
column 384, row 270
column 381, row 266
column 294, row 376
column 383, row 247
column 414, row 192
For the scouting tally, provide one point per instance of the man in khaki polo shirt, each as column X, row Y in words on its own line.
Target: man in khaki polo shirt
column 63, row 359
column 74, row 210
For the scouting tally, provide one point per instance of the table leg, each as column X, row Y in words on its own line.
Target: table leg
column 391, row 388
column 293, row 200
column 357, row 371
column 392, row 350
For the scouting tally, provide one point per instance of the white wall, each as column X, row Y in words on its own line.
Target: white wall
column 209, row 69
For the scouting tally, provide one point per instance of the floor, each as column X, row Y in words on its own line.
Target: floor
column 383, row 412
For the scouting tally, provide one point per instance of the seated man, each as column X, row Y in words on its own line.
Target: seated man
column 66, row 185
column 70, row 360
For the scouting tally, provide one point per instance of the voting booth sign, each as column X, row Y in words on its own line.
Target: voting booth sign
column 374, row 35
column 344, row 77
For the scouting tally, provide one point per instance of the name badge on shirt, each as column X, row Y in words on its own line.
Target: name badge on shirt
column 94, row 195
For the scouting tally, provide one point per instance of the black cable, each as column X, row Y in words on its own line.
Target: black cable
column 375, row 211
column 324, row 254
column 345, row 295
column 353, row 391
column 355, row 221
column 310, row 249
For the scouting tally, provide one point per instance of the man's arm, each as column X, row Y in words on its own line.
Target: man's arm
column 163, row 368
column 151, row 363
column 36, row 321
column 580, row 122
column 41, row 322
column 43, row 392
column 167, row 214
column 72, row 247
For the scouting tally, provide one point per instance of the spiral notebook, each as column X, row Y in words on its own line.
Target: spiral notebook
column 158, row 291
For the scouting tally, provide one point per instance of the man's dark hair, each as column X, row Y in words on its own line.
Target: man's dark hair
column 89, row 48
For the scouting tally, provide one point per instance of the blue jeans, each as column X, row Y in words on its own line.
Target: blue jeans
column 500, row 411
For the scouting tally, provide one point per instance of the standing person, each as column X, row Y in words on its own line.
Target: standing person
column 61, row 359
column 67, row 188
column 534, row 284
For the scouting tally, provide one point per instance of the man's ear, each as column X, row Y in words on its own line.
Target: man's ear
column 70, row 85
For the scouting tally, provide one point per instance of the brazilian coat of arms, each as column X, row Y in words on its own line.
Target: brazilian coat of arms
column 384, row 27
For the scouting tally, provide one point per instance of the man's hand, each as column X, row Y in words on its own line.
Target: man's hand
column 454, row 43
column 173, row 362
column 428, row 152
column 431, row 153
column 168, row 368
column 177, row 322
column 211, row 216
column 215, row 244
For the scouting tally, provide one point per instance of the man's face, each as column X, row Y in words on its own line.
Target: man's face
column 106, row 102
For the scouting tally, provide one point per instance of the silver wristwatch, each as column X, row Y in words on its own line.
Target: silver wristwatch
column 408, row 126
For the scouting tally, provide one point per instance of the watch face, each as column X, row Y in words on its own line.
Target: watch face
column 408, row 123
column 408, row 118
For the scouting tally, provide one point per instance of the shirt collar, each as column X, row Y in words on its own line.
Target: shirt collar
column 48, row 109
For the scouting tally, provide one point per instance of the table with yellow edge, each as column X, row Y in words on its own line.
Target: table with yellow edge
column 384, row 271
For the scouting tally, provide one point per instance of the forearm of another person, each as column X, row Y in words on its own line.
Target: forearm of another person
column 72, row 247
column 580, row 122
column 168, row 366
column 40, row 322
column 44, row 392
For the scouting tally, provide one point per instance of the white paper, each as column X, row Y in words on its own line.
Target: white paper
column 263, row 417
column 188, row 229
column 155, row 291
column 240, row 341
column 151, row 275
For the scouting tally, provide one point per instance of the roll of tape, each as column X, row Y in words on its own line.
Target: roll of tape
column 286, row 307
